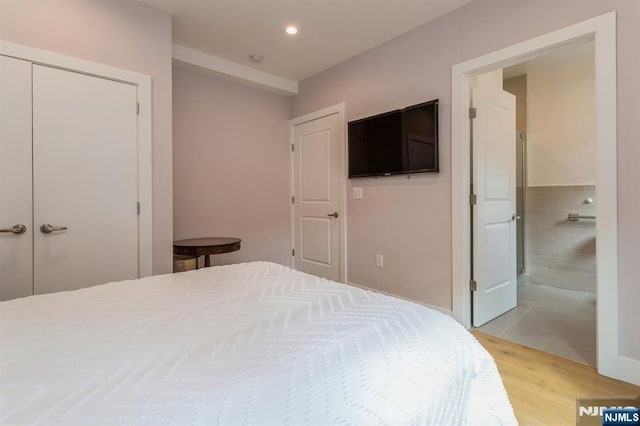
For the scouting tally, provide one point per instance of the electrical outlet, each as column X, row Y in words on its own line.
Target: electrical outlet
column 357, row 193
column 379, row 261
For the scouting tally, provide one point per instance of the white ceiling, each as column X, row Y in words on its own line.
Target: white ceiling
column 330, row 31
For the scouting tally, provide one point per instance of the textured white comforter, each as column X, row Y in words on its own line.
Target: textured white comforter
column 255, row 343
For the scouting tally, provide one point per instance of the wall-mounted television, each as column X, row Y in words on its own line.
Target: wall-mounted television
column 395, row 142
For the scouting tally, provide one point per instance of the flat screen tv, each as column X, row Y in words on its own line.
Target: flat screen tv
column 395, row 142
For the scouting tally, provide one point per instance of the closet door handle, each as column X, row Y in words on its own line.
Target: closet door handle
column 47, row 228
column 15, row 229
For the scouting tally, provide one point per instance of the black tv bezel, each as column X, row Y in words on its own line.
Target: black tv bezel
column 436, row 169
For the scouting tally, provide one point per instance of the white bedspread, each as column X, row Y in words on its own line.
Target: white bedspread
column 255, row 343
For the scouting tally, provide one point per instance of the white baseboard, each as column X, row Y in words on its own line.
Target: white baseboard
column 426, row 305
column 629, row 370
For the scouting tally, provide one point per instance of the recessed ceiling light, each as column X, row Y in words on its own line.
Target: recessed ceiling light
column 256, row 59
column 291, row 30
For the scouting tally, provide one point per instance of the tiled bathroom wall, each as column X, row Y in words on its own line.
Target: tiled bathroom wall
column 560, row 253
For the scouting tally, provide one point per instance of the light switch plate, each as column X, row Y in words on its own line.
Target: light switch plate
column 357, row 193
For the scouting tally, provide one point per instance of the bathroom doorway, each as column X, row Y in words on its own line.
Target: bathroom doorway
column 601, row 29
column 555, row 177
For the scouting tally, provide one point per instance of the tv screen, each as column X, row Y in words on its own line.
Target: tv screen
column 397, row 142
column 375, row 144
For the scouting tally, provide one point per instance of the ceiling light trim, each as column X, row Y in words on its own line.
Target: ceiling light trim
column 242, row 73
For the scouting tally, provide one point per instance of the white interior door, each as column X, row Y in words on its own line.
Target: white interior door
column 316, row 187
column 85, row 179
column 16, row 238
column 494, row 183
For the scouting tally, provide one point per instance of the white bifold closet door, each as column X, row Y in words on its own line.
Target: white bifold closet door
column 68, row 159
column 85, row 178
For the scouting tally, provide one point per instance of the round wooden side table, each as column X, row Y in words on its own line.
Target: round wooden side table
column 206, row 247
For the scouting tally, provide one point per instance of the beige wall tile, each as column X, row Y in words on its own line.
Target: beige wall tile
column 559, row 252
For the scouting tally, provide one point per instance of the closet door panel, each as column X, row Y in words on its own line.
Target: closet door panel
column 85, row 180
column 16, row 248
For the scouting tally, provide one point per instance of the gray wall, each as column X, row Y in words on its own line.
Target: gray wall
column 410, row 220
column 231, row 163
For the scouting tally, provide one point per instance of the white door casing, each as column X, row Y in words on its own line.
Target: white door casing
column 16, row 254
column 494, row 183
column 85, row 178
column 317, row 212
column 602, row 29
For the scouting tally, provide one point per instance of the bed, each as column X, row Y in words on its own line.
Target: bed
column 253, row 343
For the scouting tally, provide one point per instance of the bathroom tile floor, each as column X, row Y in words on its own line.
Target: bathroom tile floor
column 562, row 322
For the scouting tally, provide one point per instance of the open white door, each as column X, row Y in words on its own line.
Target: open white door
column 494, row 183
column 316, row 190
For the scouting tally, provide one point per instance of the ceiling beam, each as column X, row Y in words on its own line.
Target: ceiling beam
column 214, row 65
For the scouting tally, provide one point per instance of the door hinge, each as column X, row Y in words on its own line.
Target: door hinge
column 293, row 200
column 472, row 113
column 291, row 147
column 473, row 199
column 293, row 252
column 138, row 108
column 138, row 207
column 473, row 285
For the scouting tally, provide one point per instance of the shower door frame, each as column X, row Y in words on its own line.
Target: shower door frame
column 601, row 29
column 522, row 138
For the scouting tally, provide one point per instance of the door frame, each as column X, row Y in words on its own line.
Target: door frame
column 342, row 231
column 143, row 84
column 601, row 29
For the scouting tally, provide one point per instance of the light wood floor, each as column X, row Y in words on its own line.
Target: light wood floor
column 543, row 387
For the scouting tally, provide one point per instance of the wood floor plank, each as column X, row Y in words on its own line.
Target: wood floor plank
column 542, row 387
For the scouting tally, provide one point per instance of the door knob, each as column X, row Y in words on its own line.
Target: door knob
column 15, row 229
column 334, row 214
column 47, row 228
